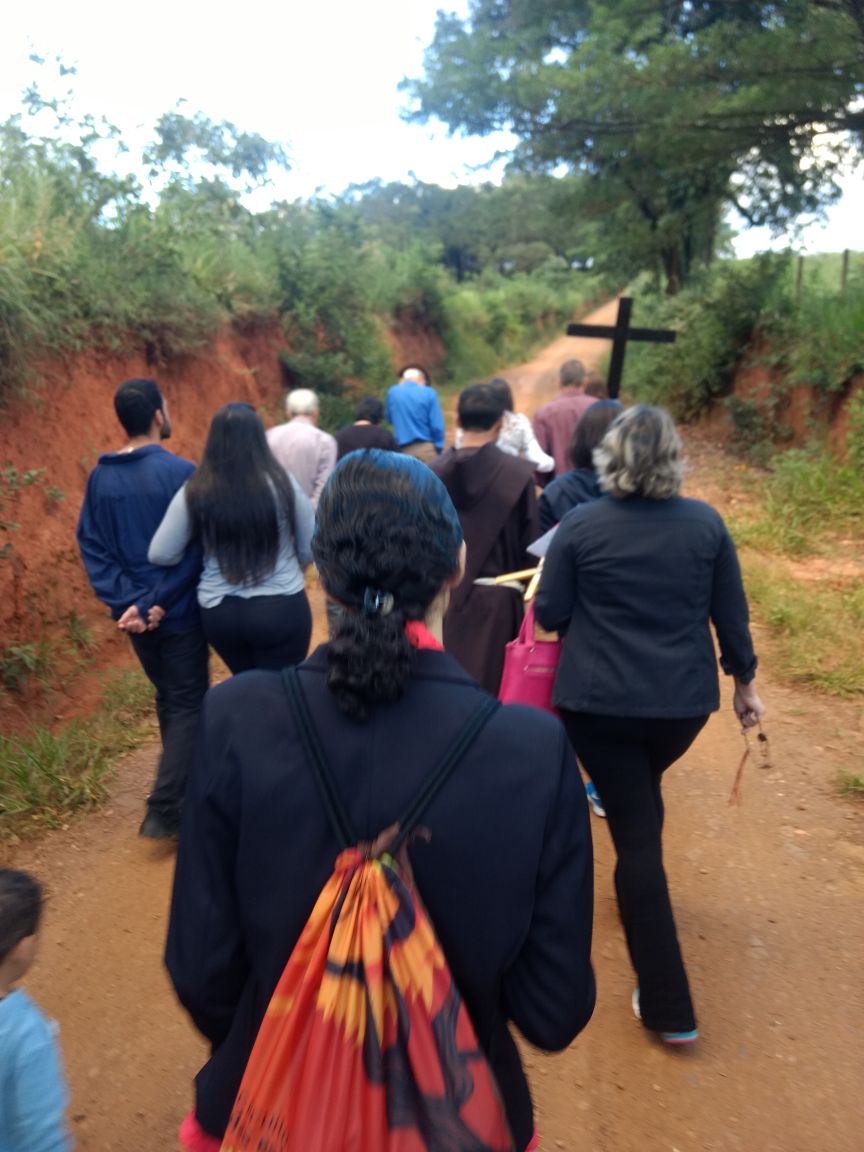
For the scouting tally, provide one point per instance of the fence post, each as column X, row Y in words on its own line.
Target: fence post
column 799, row 276
column 844, row 272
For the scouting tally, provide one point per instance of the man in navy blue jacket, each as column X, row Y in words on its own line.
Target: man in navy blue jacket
column 126, row 497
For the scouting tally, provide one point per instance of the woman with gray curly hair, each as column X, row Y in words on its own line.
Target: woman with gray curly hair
column 633, row 581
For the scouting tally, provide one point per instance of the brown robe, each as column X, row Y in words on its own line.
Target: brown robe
column 494, row 496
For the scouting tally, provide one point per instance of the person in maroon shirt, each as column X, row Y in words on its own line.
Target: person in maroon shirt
column 555, row 422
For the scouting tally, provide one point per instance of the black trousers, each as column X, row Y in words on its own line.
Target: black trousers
column 259, row 631
column 176, row 664
column 626, row 758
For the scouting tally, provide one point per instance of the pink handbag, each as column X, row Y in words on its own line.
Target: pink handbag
column 530, row 666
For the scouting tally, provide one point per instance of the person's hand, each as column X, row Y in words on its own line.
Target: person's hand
column 748, row 707
column 131, row 620
column 155, row 617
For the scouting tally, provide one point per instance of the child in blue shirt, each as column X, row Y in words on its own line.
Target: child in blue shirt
column 33, row 1094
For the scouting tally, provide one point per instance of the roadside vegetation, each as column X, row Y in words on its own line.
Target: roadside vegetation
column 92, row 259
column 48, row 775
column 807, row 334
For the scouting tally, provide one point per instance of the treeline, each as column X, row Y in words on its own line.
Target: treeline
column 92, row 259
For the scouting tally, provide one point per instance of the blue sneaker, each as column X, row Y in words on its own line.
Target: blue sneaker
column 667, row 1037
column 594, row 799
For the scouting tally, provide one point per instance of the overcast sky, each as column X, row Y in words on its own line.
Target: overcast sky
column 320, row 77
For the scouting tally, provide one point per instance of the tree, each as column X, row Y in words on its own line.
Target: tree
column 183, row 141
column 515, row 226
column 671, row 109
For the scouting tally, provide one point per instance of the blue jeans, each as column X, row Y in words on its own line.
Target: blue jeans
column 176, row 664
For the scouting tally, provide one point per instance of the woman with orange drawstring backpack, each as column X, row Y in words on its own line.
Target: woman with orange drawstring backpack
column 500, row 865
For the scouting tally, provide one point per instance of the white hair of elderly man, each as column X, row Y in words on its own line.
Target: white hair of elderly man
column 301, row 402
column 414, row 374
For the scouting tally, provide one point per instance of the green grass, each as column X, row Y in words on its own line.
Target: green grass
column 815, row 631
column 46, row 776
column 822, row 272
column 851, row 784
column 19, row 663
column 809, row 498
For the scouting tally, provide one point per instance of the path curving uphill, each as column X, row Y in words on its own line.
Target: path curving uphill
column 768, row 898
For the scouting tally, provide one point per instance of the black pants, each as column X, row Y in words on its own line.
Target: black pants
column 176, row 664
column 259, row 631
column 626, row 758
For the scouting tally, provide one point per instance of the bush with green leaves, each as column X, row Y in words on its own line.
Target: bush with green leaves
column 811, row 336
column 715, row 321
column 492, row 320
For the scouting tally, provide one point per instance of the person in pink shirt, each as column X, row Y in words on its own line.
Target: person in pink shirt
column 301, row 447
column 555, row 422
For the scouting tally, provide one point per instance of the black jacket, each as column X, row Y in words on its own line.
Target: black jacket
column 577, row 487
column 506, row 878
column 633, row 584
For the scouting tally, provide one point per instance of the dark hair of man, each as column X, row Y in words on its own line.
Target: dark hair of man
column 571, row 374
column 502, row 388
column 136, row 402
column 590, row 431
column 236, row 494
column 370, row 408
column 480, row 407
column 386, row 527
column 20, row 908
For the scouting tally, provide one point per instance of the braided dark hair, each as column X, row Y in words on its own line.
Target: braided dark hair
column 387, row 538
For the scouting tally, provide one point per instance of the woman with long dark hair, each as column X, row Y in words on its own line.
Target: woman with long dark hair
column 634, row 582
column 504, row 867
column 255, row 525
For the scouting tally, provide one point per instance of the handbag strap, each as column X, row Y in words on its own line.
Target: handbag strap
column 325, row 780
column 526, row 628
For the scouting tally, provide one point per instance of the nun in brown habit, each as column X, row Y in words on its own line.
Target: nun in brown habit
column 494, row 497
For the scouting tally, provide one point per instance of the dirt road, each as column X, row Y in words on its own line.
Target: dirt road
column 768, row 898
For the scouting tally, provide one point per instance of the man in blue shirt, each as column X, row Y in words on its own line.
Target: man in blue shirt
column 414, row 412
column 126, row 497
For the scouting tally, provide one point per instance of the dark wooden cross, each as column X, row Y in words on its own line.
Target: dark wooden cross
column 619, row 335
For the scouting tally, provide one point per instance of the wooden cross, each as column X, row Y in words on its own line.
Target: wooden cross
column 619, row 335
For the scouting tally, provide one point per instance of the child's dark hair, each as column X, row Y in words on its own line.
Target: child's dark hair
column 370, row 408
column 20, row 908
column 592, row 427
column 136, row 402
column 387, row 538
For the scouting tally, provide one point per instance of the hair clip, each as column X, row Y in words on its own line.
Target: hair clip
column 377, row 603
